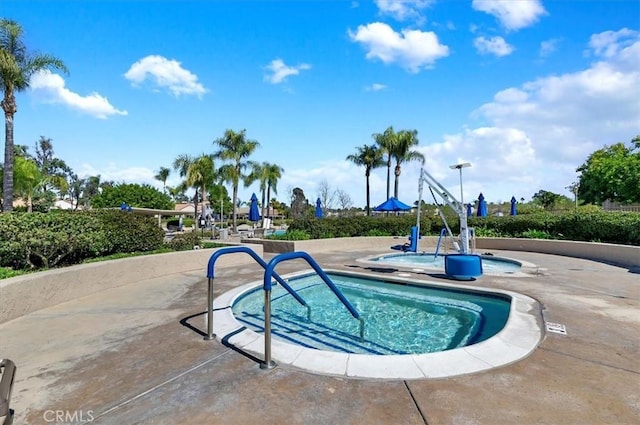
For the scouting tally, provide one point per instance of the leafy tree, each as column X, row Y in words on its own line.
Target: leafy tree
column 268, row 175
column 370, row 157
column 55, row 169
column 235, row 147
column 549, row 200
column 17, row 65
column 402, row 152
column 613, row 173
column 141, row 196
column 163, row 175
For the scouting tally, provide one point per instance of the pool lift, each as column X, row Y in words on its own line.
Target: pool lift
column 464, row 265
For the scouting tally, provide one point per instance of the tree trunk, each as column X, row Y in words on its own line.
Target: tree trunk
column 268, row 197
column 263, row 203
column 235, row 208
column 395, row 187
column 388, row 175
column 8, row 105
column 367, row 173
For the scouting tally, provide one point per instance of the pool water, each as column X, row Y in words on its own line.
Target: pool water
column 399, row 319
column 429, row 260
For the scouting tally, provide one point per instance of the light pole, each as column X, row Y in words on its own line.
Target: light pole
column 460, row 167
column 464, row 231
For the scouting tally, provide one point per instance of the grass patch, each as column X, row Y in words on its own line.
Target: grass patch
column 6, row 273
column 127, row 255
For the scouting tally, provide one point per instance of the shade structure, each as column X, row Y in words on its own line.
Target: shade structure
column 318, row 208
column 514, row 210
column 254, row 211
column 392, row 204
column 482, row 207
column 469, row 210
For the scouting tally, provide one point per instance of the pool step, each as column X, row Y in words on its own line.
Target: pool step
column 314, row 335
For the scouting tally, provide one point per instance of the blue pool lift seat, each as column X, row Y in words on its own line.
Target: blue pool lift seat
column 412, row 245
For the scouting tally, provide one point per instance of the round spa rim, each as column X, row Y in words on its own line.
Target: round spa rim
column 520, row 336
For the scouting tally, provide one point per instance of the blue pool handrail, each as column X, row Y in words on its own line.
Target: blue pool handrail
column 442, row 233
column 210, row 276
column 269, row 271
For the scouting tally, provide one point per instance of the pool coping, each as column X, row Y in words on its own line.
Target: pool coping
column 520, row 336
column 526, row 268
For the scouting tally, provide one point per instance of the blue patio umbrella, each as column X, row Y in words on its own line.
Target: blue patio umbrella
column 318, row 208
column 392, row 204
column 482, row 206
column 254, row 212
column 514, row 210
column 469, row 210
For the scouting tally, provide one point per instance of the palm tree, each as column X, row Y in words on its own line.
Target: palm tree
column 370, row 157
column 162, row 176
column 386, row 141
column 274, row 173
column 198, row 173
column 17, row 65
column 401, row 152
column 234, row 147
column 28, row 178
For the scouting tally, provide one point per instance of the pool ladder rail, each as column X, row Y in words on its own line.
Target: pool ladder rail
column 270, row 274
column 8, row 369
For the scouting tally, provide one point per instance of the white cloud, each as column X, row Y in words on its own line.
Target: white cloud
column 279, row 71
column 512, row 14
column 375, row 87
column 411, row 49
column 547, row 47
column 51, row 88
column 566, row 117
column 403, row 9
column 166, row 74
column 495, row 45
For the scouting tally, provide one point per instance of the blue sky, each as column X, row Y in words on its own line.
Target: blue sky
column 524, row 90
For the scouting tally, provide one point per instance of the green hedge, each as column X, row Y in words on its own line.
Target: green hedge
column 59, row 238
column 587, row 225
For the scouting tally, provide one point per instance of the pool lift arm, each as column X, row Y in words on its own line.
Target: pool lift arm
column 451, row 201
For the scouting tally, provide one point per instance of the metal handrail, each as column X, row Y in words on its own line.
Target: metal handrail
column 210, row 277
column 6, row 385
column 269, row 271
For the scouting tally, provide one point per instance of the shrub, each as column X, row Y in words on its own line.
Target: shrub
column 59, row 238
column 36, row 240
column 185, row 241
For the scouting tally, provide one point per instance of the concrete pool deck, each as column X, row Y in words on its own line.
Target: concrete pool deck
column 135, row 354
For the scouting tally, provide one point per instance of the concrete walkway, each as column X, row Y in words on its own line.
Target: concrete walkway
column 135, row 355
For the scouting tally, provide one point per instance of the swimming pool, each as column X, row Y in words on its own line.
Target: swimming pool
column 399, row 319
column 518, row 337
column 490, row 264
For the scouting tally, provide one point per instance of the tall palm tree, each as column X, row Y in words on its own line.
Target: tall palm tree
column 386, row 141
column 402, row 152
column 234, row 147
column 370, row 157
column 163, row 175
column 274, row 173
column 17, row 65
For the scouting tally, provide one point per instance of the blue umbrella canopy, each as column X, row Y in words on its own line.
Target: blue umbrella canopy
column 514, row 210
column 469, row 210
column 392, row 204
column 318, row 208
column 482, row 206
column 254, row 211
